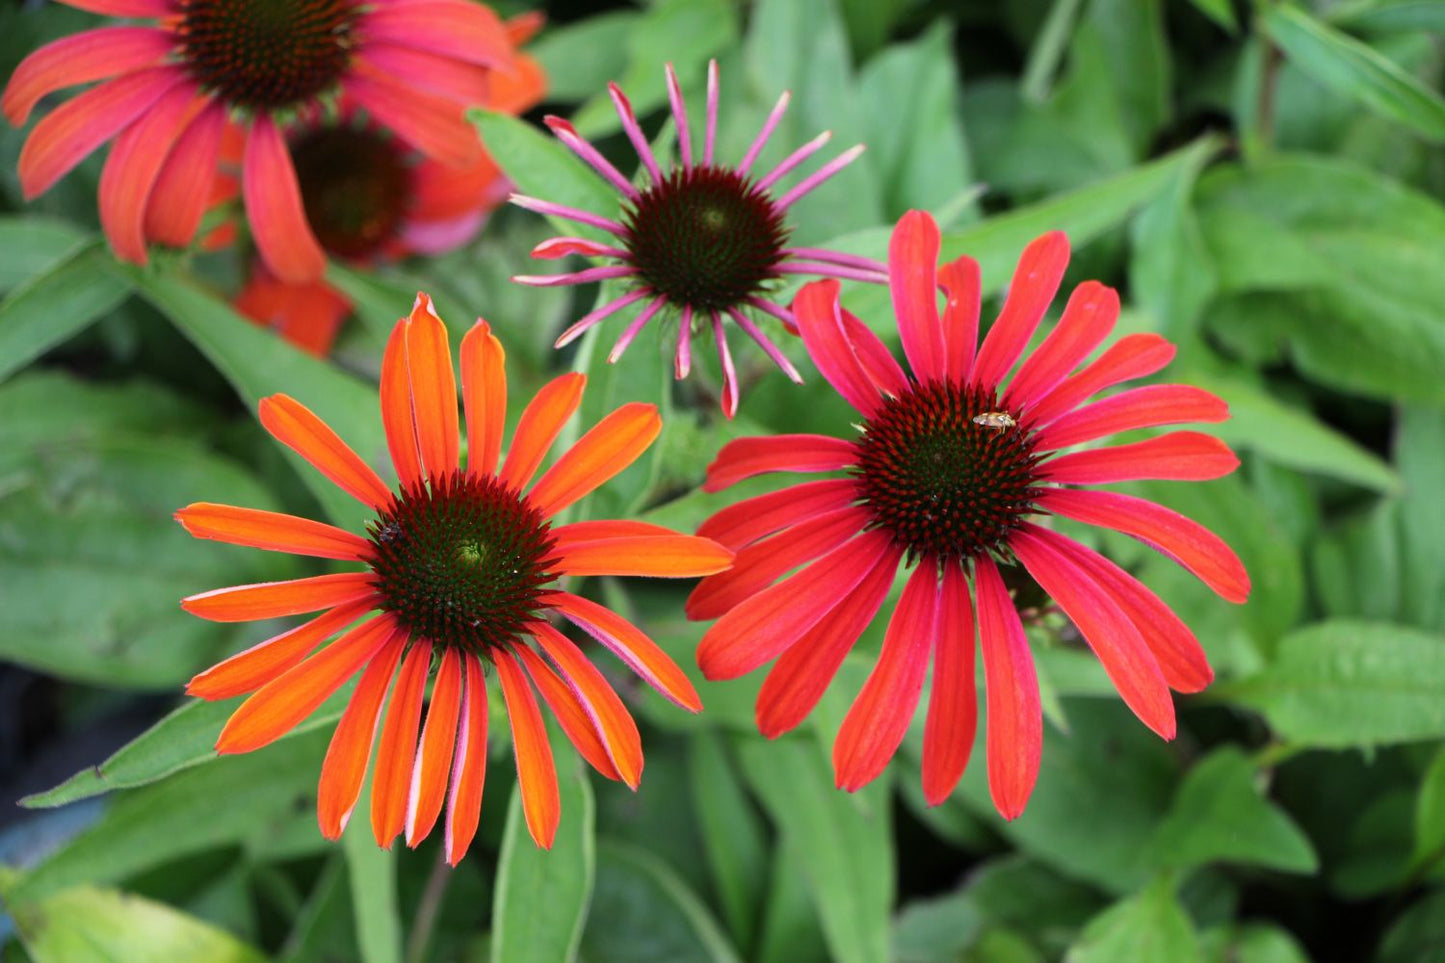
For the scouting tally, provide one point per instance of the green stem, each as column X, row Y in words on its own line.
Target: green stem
column 428, row 908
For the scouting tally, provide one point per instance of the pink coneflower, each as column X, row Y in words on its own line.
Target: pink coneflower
column 706, row 238
column 955, row 468
column 167, row 91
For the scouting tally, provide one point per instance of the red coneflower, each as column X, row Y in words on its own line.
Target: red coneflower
column 369, row 197
column 168, row 90
column 462, row 567
column 952, row 469
column 707, row 238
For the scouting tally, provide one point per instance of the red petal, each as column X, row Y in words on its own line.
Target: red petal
column 658, row 556
column 249, row 670
column 433, row 389
column 536, row 773
column 435, row 126
column 878, row 719
column 484, row 394
column 1130, row 665
column 463, row 31
column 745, row 457
column 877, row 361
column 820, row 322
column 182, row 190
column 134, row 163
column 283, row 702
column 1015, row 735
column 273, row 206
column 766, row 625
column 1041, row 268
column 577, row 533
column 295, row 426
column 80, row 59
column 1176, row 456
column 465, row 83
column 913, row 280
column 272, row 530
column 629, row 644
column 397, row 753
column 434, row 755
column 271, row 600
column 1144, row 407
column 1133, row 356
column 539, row 427
column 350, row 749
column 1088, row 318
column 613, row 443
column 124, row 8
column 398, row 416
column 608, row 715
column 469, row 768
column 961, row 281
column 953, row 705
column 753, row 518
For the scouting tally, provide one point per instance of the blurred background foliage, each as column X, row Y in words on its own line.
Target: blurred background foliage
column 1262, row 182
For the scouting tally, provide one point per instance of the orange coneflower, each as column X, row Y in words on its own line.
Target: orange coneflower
column 461, row 566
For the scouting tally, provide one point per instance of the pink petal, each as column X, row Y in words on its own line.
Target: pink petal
column 912, row 277
column 131, row 170
column 953, row 706
column 273, row 206
column 961, row 282
column 821, row 324
column 1176, row 456
column 1015, row 735
column 182, row 189
column 80, row 59
column 1145, row 407
column 1087, row 320
column 1133, row 356
column 755, row 518
column 465, row 83
column 464, row 31
column 433, row 125
column 1041, row 268
column 745, row 457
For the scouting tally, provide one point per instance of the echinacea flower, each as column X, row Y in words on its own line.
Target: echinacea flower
column 460, row 569
column 707, row 238
column 167, row 91
column 371, row 198
column 957, row 469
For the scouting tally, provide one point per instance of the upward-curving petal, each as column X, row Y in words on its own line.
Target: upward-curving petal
column 610, row 446
column 433, row 390
column 1035, row 282
column 745, row 457
column 1132, row 356
column 484, row 395
column 913, row 280
column 1087, row 320
column 753, row 518
column 398, row 416
column 298, row 428
column 541, row 423
column 274, row 531
column 1176, row 456
column 1146, row 407
column 820, row 322
column 963, row 284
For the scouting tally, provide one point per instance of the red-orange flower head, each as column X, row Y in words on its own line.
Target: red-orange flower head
column 168, row 90
column 955, row 469
column 459, row 570
column 707, row 238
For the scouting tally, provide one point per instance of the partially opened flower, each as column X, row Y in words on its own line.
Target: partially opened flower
column 707, row 238
column 957, row 468
column 168, row 89
column 459, row 573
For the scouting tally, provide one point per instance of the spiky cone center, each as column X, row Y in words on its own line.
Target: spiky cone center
column 705, row 237
column 461, row 562
column 355, row 186
column 267, row 55
column 946, row 471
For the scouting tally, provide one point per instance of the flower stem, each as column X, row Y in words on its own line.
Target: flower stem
column 428, row 908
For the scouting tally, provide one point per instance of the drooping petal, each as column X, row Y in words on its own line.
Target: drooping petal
column 484, row 395
column 467, row 84
column 767, row 624
column 762, row 563
column 1145, row 407
column 541, row 423
column 297, row 427
column 963, row 285
column 457, row 29
column 433, row 390
column 124, row 8
column 1036, row 280
column 469, row 767
column 745, row 457
column 182, row 190
column 350, row 750
column 821, row 324
column 875, row 724
column 610, row 446
column 273, row 206
column 952, row 721
column 434, row 754
column 753, row 518
column 913, row 280
column 656, row 556
column 134, row 163
column 609, row 715
column 1015, row 735
column 1190, row 544
column 274, row 531
column 397, row 751
column 1132, row 356
column 1176, row 456
column 801, row 675
column 249, row 670
column 536, row 772
column 272, row 600
column 80, row 59
column 577, row 723
column 398, row 417
column 1117, row 643
column 281, row 704
column 1087, row 320
column 434, row 125
column 628, row 643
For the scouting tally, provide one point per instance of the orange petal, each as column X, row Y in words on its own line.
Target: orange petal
column 433, row 389
column 581, row 729
column 591, row 531
column 613, row 444
column 484, row 393
column 270, row 600
column 397, row 416
column 541, row 422
column 662, row 556
column 469, row 768
column 608, row 714
column 283, row 702
column 397, row 752
column 434, row 757
column 271, row 530
column 297, row 427
column 249, row 670
column 350, row 749
column 536, row 773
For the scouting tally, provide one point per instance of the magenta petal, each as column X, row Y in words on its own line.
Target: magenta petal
column 821, row 324
column 1145, row 407
column 80, row 59
column 1041, row 268
column 877, row 361
column 1176, row 456
column 746, row 457
column 1133, row 356
column 1087, row 320
column 962, row 283
column 913, row 280
column 754, row 518
column 953, row 706
column 1015, row 738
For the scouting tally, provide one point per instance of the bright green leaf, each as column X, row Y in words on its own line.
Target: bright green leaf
column 54, row 305
column 372, row 874
column 1148, row 928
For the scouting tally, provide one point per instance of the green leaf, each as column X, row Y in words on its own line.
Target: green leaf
column 1219, row 815
column 643, row 912
column 844, row 842
column 372, row 874
column 1220, row 11
column 582, row 56
column 937, row 930
column 1171, row 274
column 541, row 897
column 257, row 363
column 1356, row 70
column 33, row 245
column 791, row 932
column 1252, row 943
column 732, row 834
column 1430, row 814
column 1398, row 15
column 229, row 802
column 1417, row 933
column 92, row 925
column 1339, row 684
column 1148, row 928
column 56, row 304
column 1421, row 460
